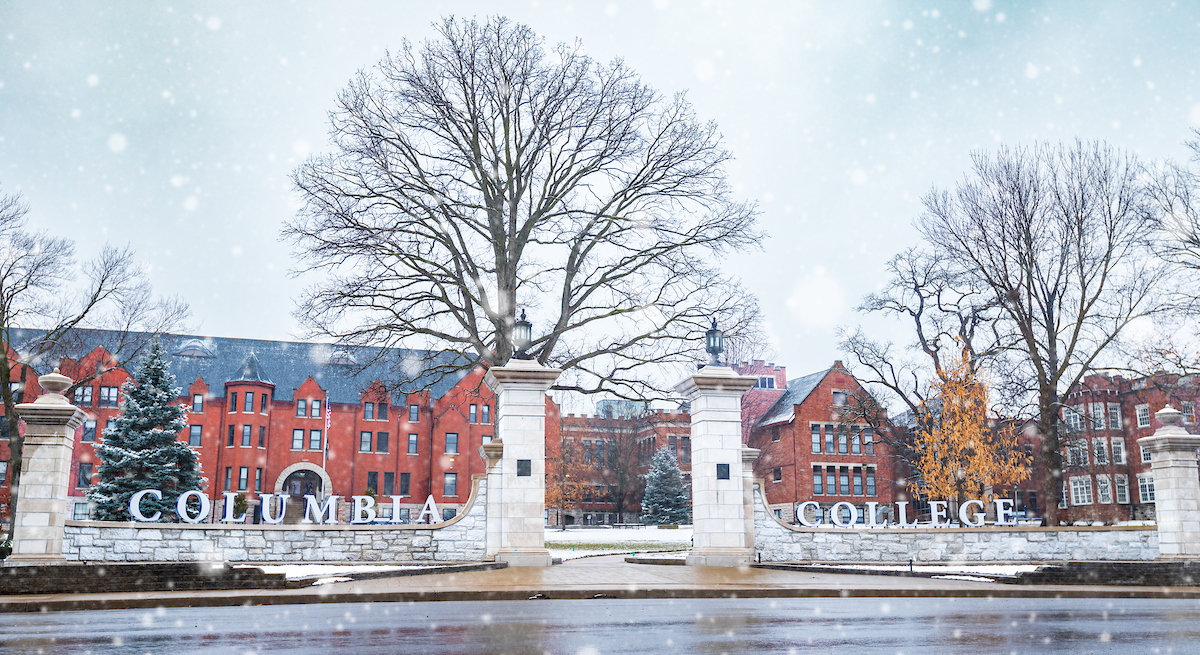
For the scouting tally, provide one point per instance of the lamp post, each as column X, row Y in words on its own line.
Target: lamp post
column 522, row 337
column 714, row 344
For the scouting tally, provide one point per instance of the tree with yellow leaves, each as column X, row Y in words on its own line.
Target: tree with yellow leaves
column 962, row 452
column 566, row 475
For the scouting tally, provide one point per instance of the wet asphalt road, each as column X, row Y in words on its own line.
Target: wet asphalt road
column 887, row 625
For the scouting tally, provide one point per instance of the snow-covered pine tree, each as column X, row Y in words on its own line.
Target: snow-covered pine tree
column 666, row 499
column 140, row 449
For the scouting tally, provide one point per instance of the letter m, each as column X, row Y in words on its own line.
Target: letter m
column 315, row 513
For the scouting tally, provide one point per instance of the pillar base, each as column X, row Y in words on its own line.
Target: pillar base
column 720, row 557
column 525, row 557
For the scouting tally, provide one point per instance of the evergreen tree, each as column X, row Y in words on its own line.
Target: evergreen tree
column 666, row 498
column 140, row 449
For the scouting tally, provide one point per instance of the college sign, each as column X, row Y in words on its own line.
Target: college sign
column 970, row 514
column 315, row 511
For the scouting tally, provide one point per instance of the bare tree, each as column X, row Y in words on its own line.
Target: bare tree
column 947, row 317
column 616, row 465
column 41, row 315
column 1059, row 236
column 482, row 170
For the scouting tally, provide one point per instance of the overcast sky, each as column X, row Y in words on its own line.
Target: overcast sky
column 174, row 127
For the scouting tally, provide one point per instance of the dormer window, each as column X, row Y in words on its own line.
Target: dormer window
column 195, row 348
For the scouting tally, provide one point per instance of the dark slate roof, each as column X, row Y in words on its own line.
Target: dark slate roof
column 252, row 371
column 221, row 359
column 784, row 409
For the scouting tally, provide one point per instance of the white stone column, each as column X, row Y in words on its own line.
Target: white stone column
column 718, row 505
column 492, row 454
column 520, row 387
column 50, row 423
column 749, row 456
column 1176, row 486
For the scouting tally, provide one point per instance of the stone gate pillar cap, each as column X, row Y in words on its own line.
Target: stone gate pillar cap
column 54, row 384
column 1168, row 415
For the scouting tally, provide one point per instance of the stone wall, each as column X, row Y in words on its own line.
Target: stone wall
column 776, row 541
column 459, row 539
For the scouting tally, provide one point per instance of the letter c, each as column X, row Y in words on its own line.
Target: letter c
column 801, row 515
column 135, row 502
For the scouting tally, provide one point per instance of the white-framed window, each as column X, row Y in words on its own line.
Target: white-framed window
column 1114, row 417
column 364, row 442
column 1146, row 488
column 1122, row 489
column 1100, row 450
column 80, row 512
column 1103, row 489
column 1062, row 500
column 1188, row 409
column 1098, row 411
column 1118, row 450
column 1081, row 490
column 1077, row 452
column 83, row 396
column 1073, row 418
column 1145, row 454
column 765, row 382
column 1143, row 415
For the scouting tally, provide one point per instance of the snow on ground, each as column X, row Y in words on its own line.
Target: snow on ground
column 598, row 535
column 298, row 571
column 978, row 569
column 588, row 542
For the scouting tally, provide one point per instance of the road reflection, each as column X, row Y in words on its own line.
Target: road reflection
column 590, row 627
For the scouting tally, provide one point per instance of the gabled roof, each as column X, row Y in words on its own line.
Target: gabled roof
column 219, row 360
column 798, row 390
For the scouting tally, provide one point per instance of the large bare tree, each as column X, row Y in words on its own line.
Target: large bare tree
column 1059, row 236
column 483, row 172
column 42, row 312
column 948, row 318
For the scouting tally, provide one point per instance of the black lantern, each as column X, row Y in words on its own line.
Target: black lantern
column 714, row 344
column 522, row 337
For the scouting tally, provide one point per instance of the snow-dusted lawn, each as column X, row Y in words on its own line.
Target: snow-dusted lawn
column 960, row 569
column 298, row 571
column 681, row 536
column 586, row 542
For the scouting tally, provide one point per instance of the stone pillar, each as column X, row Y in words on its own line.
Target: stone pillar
column 50, row 423
column 492, row 454
column 520, row 387
column 749, row 456
column 1176, row 486
column 718, row 471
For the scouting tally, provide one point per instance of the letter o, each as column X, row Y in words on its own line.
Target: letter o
column 802, row 519
column 182, row 511
column 835, row 514
column 135, row 502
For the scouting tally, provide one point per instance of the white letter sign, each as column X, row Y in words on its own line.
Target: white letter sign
column 135, row 502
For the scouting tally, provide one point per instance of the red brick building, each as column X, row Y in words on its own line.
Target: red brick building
column 297, row 418
column 1106, row 475
column 812, row 451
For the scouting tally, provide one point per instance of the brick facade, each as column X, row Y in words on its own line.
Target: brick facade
column 808, row 450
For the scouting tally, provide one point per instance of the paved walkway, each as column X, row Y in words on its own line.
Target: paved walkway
column 607, row 576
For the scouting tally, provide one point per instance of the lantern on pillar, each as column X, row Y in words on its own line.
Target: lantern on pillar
column 714, row 344
column 522, row 337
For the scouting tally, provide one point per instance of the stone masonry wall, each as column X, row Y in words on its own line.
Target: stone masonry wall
column 459, row 539
column 776, row 541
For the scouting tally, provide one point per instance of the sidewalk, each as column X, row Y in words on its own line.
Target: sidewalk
column 608, row 576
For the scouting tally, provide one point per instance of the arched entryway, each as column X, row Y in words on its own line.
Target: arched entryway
column 300, row 480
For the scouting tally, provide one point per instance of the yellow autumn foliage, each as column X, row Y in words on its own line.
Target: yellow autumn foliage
column 962, row 451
